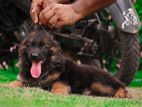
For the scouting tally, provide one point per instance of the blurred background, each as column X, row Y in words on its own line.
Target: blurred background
column 15, row 22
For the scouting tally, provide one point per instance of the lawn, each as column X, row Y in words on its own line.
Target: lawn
column 34, row 97
column 31, row 97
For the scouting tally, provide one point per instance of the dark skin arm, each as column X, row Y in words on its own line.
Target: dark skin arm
column 86, row 7
column 57, row 15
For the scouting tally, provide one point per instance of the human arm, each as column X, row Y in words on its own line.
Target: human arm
column 85, row 7
column 57, row 15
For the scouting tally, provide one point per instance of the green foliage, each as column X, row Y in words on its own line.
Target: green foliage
column 137, row 81
column 138, row 7
column 8, row 75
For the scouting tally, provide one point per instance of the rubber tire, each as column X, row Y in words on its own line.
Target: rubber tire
column 130, row 56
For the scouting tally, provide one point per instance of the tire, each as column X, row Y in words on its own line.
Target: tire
column 130, row 55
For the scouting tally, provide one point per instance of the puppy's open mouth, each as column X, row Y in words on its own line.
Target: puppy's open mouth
column 36, row 69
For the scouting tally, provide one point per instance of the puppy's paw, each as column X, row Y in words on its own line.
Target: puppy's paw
column 60, row 88
column 60, row 92
column 15, row 84
column 122, row 93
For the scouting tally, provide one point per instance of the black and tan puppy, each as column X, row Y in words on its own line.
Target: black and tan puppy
column 44, row 65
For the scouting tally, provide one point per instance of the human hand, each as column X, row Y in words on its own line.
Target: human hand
column 57, row 15
column 36, row 8
column 38, row 5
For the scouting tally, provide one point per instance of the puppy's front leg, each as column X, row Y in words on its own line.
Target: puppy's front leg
column 122, row 93
column 60, row 87
column 16, row 83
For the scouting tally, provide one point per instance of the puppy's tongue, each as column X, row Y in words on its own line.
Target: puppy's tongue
column 36, row 69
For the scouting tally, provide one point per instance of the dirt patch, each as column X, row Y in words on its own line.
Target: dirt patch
column 135, row 92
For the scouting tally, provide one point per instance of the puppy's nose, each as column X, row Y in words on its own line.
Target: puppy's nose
column 34, row 56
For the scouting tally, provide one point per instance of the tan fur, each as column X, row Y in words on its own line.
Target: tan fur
column 101, row 88
column 53, row 76
column 53, row 57
column 16, row 84
column 122, row 93
column 54, row 50
column 61, row 88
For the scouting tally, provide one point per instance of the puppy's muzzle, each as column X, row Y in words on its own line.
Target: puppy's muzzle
column 34, row 56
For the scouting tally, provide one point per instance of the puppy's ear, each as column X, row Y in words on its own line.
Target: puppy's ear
column 56, row 44
column 37, row 27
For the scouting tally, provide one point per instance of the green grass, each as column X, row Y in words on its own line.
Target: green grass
column 34, row 97
column 31, row 97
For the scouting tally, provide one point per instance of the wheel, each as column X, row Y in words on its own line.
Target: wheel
column 130, row 55
column 129, row 50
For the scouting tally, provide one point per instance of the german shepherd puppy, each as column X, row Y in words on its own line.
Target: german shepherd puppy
column 44, row 65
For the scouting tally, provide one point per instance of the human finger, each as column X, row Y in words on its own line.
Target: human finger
column 36, row 7
column 33, row 13
column 59, row 23
column 46, row 15
column 53, row 21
